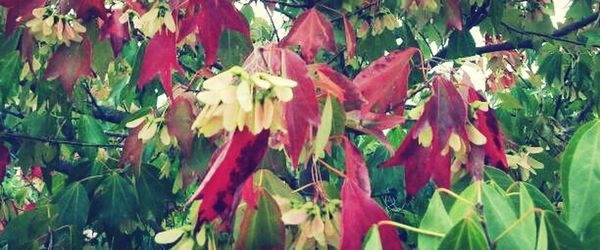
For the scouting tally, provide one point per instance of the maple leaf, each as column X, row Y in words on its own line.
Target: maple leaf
column 160, row 59
column 350, row 35
column 19, row 11
column 208, row 19
column 359, row 213
column 356, row 168
column 425, row 150
column 26, row 46
column 230, row 166
column 117, row 32
column 493, row 150
column 454, row 18
column 338, row 85
column 302, row 112
column 311, row 31
column 79, row 58
column 89, row 9
column 374, row 124
column 133, row 147
column 179, row 119
column 384, row 82
column 4, row 161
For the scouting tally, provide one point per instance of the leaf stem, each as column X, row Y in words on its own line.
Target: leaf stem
column 456, row 196
column 335, row 170
column 409, row 228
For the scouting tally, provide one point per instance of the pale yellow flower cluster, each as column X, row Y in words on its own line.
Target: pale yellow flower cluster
column 51, row 28
column 153, row 20
column 234, row 100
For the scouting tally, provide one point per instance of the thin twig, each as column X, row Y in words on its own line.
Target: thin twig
column 409, row 228
column 272, row 22
column 58, row 141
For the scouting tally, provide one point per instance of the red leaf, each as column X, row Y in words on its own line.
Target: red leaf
column 26, row 47
column 233, row 163
column 445, row 113
column 133, row 147
column 356, row 168
column 488, row 125
column 350, row 35
column 359, row 213
column 311, row 31
column 36, row 172
column 4, row 161
column 70, row 63
column 384, row 83
column 302, row 111
column 338, row 85
column 374, row 124
column 249, row 194
column 117, row 32
column 179, row 119
column 209, row 18
column 160, row 59
column 19, row 11
column 454, row 18
column 89, row 9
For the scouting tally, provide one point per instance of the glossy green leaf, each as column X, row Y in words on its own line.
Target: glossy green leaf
column 499, row 216
column 583, row 163
column 373, row 239
column 461, row 209
column 115, row 201
column 460, row 44
column 591, row 235
column 498, row 176
column 275, row 185
column 168, row 236
column 74, row 206
column 560, row 236
column 542, row 237
column 527, row 217
column 467, row 234
column 324, row 130
column 436, row 219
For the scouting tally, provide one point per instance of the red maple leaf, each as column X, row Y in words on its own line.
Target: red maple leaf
column 19, row 11
column 133, row 147
column 311, row 31
column 350, row 35
column 179, row 119
column 338, row 85
column 78, row 57
column 89, row 9
column 208, row 19
column 444, row 114
column 384, row 82
column 160, row 59
column 356, row 168
column 117, row 32
column 230, row 166
column 454, row 18
column 4, row 161
column 493, row 150
column 359, row 213
column 26, row 46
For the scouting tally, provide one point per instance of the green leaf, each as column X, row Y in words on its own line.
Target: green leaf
column 276, row 186
column 152, row 192
column 499, row 216
column 90, row 131
column 539, row 199
column 115, row 201
column 462, row 209
column 324, row 130
column 436, row 219
column 542, row 238
column 591, row 235
column 498, row 176
column 465, row 235
column 168, row 236
column 551, row 67
column 460, row 44
column 26, row 230
column 234, row 48
column 74, row 205
column 10, row 69
column 526, row 209
column 261, row 227
column 583, row 163
column 560, row 236
column 373, row 239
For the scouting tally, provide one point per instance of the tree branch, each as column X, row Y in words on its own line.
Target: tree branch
column 286, row 4
column 556, row 35
column 57, row 141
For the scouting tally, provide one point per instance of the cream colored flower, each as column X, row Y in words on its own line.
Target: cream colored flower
column 525, row 164
column 153, row 20
column 51, row 28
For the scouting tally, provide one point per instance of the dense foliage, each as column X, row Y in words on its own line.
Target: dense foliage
column 377, row 124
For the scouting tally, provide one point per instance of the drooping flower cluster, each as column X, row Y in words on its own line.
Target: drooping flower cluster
column 152, row 21
column 234, row 100
column 52, row 28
